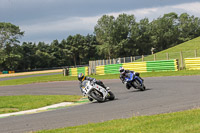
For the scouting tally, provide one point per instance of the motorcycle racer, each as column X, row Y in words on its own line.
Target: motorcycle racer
column 82, row 77
column 124, row 73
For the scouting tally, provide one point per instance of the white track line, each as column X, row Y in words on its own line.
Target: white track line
column 36, row 110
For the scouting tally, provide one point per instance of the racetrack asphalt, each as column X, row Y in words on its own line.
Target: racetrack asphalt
column 163, row 95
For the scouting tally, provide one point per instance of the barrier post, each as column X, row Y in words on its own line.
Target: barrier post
column 181, row 58
column 195, row 53
column 134, row 58
column 64, row 72
column 154, row 57
column 119, row 60
column 167, row 54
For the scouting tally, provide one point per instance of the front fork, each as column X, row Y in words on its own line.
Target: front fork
column 140, row 80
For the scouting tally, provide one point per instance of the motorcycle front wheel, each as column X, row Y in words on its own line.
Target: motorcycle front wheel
column 111, row 96
column 97, row 96
column 141, row 87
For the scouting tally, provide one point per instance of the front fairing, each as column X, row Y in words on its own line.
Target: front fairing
column 86, row 86
column 101, row 89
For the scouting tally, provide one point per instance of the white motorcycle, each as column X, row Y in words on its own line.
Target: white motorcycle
column 96, row 91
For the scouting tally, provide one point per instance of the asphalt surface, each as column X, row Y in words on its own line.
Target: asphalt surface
column 163, row 94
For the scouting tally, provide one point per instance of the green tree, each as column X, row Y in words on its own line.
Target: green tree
column 142, row 33
column 43, row 57
column 125, row 45
column 91, row 48
column 189, row 27
column 75, row 47
column 165, row 31
column 9, row 34
column 10, row 58
column 28, row 52
column 105, row 34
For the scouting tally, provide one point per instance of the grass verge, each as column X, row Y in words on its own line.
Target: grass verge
column 188, row 51
column 178, row 122
column 10, row 104
column 60, row 77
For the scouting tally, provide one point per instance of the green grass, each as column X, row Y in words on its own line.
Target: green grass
column 10, row 104
column 188, row 51
column 26, row 74
column 60, row 77
column 178, row 122
column 171, row 73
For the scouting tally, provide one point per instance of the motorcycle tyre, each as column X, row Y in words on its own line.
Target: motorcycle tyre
column 112, row 96
column 141, row 87
column 99, row 99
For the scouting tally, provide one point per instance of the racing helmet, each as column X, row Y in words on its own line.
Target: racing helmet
column 81, row 77
column 121, row 70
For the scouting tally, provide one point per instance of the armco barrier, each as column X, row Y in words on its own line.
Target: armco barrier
column 148, row 66
column 76, row 71
column 192, row 63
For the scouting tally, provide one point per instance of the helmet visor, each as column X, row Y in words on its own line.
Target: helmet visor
column 121, row 70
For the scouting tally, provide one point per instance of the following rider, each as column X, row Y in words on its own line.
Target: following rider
column 124, row 74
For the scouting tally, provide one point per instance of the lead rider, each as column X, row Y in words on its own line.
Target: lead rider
column 82, row 77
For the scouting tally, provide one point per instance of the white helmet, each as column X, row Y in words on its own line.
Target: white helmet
column 121, row 70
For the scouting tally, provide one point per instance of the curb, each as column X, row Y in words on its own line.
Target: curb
column 47, row 108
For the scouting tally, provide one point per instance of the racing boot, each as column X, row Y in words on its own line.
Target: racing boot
column 142, row 79
column 138, row 74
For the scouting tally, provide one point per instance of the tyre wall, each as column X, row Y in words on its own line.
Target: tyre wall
column 192, row 63
column 76, row 71
column 148, row 66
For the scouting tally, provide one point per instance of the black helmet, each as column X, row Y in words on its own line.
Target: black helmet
column 81, row 77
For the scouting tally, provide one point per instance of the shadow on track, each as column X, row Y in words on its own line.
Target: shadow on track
column 137, row 90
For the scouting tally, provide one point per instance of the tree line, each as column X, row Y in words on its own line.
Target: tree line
column 113, row 37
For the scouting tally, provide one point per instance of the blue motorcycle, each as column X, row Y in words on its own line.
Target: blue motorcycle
column 134, row 81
